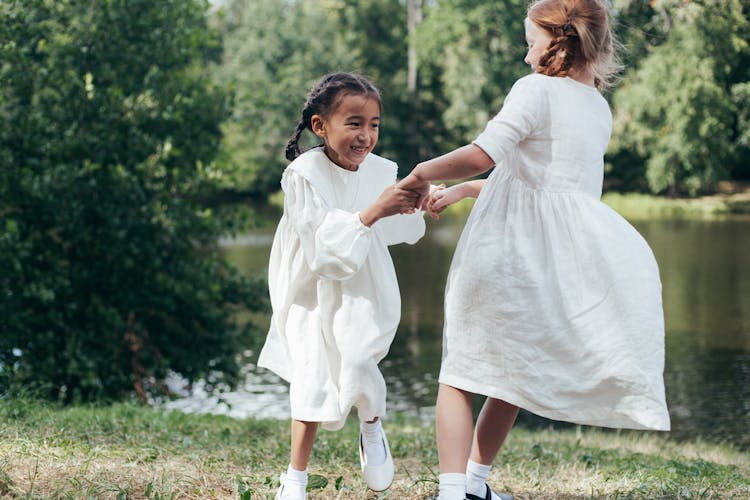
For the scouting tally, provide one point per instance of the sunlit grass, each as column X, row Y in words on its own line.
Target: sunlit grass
column 637, row 206
column 642, row 206
column 127, row 451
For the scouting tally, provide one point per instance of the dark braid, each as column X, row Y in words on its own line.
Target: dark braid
column 323, row 100
column 292, row 146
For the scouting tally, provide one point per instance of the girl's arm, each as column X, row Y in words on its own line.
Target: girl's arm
column 442, row 197
column 393, row 200
column 466, row 161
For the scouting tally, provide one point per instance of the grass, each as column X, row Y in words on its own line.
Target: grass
column 635, row 206
column 128, row 451
column 642, row 206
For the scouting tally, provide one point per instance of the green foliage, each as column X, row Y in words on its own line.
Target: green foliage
column 111, row 276
column 682, row 109
column 470, row 53
column 274, row 52
column 681, row 112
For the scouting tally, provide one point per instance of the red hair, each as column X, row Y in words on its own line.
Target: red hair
column 582, row 29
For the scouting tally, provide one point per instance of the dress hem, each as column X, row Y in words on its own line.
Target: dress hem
column 514, row 398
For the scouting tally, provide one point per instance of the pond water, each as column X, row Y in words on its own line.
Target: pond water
column 705, row 270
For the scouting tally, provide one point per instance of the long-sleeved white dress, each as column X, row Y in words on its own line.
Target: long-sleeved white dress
column 335, row 298
column 553, row 301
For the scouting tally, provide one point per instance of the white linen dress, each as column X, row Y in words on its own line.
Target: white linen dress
column 333, row 288
column 553, row 301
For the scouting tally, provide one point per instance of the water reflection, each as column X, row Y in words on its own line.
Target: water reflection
column 705, row 270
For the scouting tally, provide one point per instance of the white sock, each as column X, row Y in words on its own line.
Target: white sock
column 294, row 483
column 452, row 486
column 476, row 478
column 296, row 476
column 372, row 441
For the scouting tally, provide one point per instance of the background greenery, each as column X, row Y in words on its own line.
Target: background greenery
column 125, row 123
column 110, row 275
column 680, row 108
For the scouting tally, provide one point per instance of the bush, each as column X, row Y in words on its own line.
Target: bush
column 110, row 274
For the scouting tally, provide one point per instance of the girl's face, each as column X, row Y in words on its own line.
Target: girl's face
column 538, row 40
column 351, row 132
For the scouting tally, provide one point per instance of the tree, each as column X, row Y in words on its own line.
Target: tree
column 470, row 53
column 111, row 276
column 274, row 52
column 682, row 109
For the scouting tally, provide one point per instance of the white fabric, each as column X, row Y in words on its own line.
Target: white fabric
column 553, row 301
column 333, row 288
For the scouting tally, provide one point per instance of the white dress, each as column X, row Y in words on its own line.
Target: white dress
column 333, row 288
column 553, row 301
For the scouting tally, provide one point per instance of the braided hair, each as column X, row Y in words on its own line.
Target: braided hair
column 581, row 31
column 323, row 100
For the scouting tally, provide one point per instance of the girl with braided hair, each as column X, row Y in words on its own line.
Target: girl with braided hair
column 553, row 301
column 332, row 284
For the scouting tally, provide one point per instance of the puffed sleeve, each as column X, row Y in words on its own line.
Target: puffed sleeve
column 401, row 228
column 335, row 243
column 518, row 118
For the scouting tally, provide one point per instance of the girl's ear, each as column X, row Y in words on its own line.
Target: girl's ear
column 317, row 124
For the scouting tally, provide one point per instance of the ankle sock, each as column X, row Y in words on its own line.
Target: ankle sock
column 372, row 442
column 476, row 478
column 294, row 484
column 296, row 476
column 452, row 486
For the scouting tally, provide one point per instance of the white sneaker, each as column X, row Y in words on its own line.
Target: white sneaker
column 290, row 491
column 378, row 477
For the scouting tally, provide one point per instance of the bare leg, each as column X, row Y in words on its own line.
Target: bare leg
column 493, row 425
column 303, row 438
column 454, row 425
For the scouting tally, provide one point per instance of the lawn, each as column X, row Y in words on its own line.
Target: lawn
column 128, row 451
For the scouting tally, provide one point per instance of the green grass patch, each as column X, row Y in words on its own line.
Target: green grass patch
column 129, row 451
column 635, row 206
column 642, row 206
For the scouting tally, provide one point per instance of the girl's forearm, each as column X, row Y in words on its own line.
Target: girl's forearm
column 471, row 189
column 461, row 163
column 370, row 215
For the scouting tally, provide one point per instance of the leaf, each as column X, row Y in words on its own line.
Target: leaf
column 316, row 482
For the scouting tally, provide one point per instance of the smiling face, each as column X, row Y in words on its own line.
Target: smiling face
column 351, row 131
column 538, row 40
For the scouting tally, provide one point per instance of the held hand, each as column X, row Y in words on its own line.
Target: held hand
column 393, row 200
column 413, row 183
column 441, row 197
column 430, row 201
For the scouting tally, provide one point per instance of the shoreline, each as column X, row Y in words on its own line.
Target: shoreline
column 637, row 206
column 642, row 206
